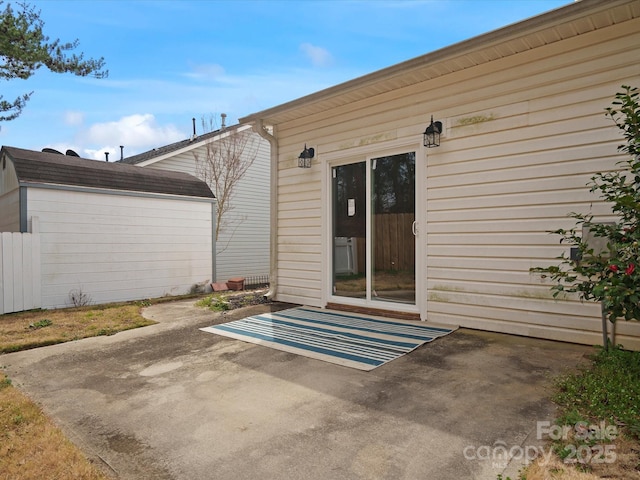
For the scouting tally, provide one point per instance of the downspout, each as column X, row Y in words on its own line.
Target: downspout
column 214, row 263
column 258, row 127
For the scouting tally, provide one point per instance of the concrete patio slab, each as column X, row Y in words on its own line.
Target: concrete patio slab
column 172, row 402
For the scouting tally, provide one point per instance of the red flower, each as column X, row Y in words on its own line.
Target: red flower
column 613, row 268
column 630, row 269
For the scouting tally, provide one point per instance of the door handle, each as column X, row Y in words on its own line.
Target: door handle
column 414, row 228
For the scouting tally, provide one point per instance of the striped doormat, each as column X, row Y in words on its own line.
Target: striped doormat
column 353, row 340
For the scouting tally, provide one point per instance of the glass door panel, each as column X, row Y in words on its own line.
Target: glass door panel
column 349, row 230
column 393, row 208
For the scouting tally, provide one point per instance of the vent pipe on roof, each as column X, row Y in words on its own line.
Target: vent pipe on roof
column 224, row 117
column 106, row 156
column 193, row 120
column 121, row 152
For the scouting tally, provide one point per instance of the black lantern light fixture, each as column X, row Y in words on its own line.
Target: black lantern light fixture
column 304, row 160
column 432, row 134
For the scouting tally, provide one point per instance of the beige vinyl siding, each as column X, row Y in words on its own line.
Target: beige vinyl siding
column 120, row 247
column 499, row 185
column 300, row 259
column 523, row 135
column 243, row 247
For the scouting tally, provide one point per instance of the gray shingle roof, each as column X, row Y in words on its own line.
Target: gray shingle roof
column 156, row 152
column 52, row 168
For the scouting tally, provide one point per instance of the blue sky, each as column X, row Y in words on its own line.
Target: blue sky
column 171, row 61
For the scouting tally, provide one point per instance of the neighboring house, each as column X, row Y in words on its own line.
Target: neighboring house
column 243, row 242
column 381, row 223
column 114, row 232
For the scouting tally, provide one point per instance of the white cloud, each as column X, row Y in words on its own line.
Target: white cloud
column 320, row 57
column 137, row 133
column 100, row 154
column 73, row 118
column 209, row 71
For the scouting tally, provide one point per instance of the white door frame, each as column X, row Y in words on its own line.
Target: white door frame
column 366, row 153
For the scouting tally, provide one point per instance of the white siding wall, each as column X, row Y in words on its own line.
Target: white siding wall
column 117, row 247
column 523, row 135
column 243, row 247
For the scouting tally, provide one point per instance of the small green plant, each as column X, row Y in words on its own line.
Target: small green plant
column 5, row 382
column 40, row 324
column 521, row 476
column 216, row 302
column 222, row 302
column 18, row 419
column 634, row 429
column 570, row 416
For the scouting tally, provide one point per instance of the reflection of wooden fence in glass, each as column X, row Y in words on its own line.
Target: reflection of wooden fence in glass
column 393, row 243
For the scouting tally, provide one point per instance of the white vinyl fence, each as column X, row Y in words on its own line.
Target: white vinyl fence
column 20, row 287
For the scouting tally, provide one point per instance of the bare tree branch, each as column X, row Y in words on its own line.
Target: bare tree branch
column 225, row 162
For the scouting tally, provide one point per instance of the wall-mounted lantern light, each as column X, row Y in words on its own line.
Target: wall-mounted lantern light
column 432, row 134
column 304, row 160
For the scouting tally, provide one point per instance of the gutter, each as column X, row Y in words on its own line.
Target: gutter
column 258, row 127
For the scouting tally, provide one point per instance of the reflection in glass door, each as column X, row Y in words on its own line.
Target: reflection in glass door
column 393, row 214
column 373, row 229
column 350, row 230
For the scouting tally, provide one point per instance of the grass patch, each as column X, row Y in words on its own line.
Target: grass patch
column 609, row 390
column 603, row 394
column 39, row 328
column 31, row 446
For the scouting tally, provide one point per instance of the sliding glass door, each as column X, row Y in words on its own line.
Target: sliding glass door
column 374, row 229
